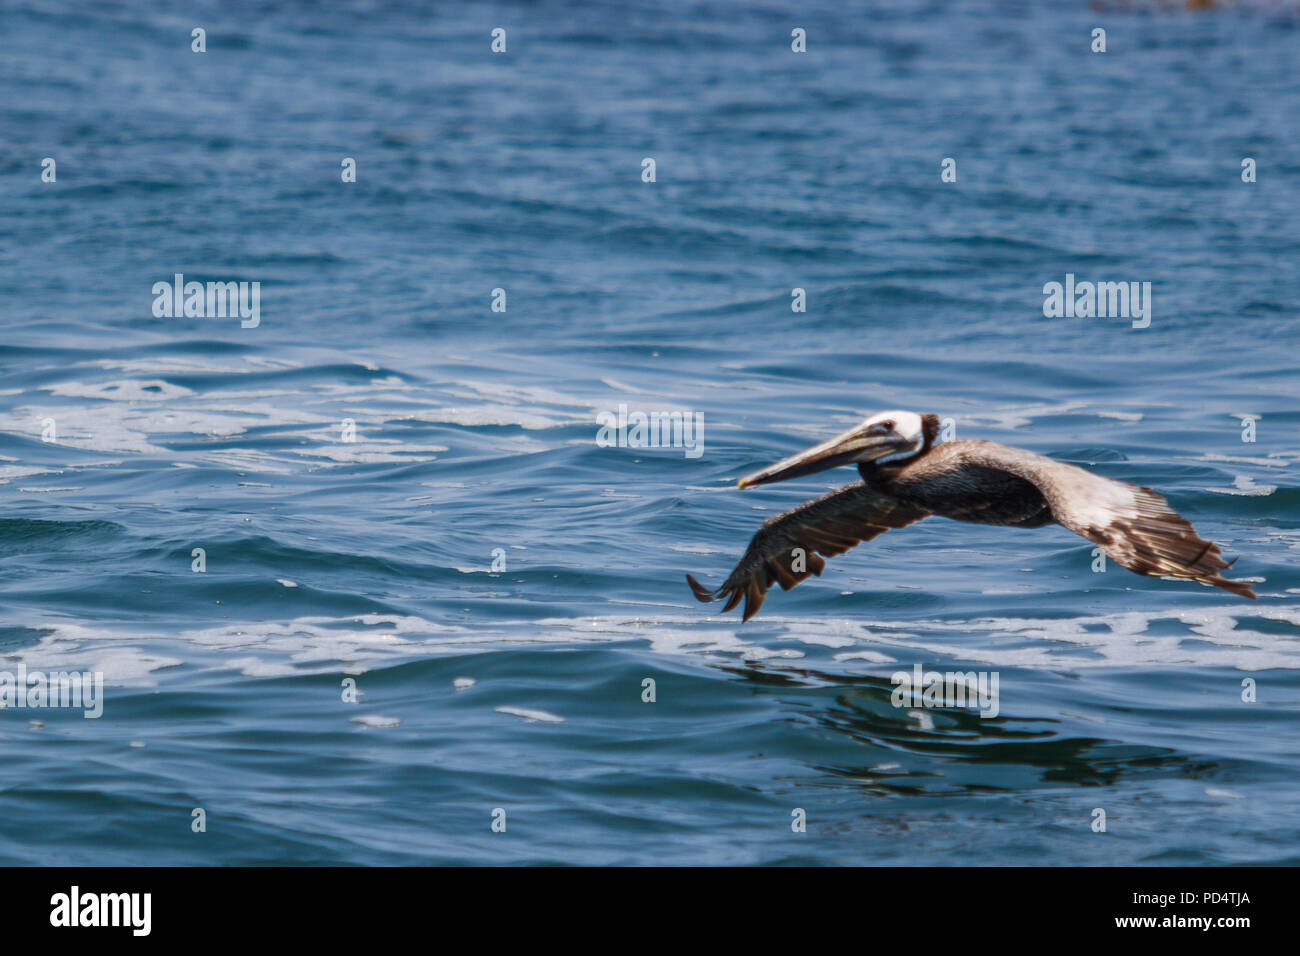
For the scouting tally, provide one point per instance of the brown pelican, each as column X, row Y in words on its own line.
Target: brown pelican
column 906, row 476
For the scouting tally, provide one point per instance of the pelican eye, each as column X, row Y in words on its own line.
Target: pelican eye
column 886, row 426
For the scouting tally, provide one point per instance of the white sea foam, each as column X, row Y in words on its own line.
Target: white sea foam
column 108, row 408
column 528, row 713
column 1245, row 485
column 376, row 720
column 1222, row 636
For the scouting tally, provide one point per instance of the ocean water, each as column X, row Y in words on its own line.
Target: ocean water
column 496, row 584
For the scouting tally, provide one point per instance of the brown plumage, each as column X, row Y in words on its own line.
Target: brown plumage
column 906, row 477
column 791, row 546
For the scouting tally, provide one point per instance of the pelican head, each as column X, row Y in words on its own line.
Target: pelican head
column 883, row 438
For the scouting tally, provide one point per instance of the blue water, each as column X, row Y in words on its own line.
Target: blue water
column 372, row 560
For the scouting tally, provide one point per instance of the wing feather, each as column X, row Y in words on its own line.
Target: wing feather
column 1135, row 526
column 821, row 528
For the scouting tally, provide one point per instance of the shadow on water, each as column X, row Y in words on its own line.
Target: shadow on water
column 948, row 751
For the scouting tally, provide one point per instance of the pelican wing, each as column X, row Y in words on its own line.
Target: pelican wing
column 791, row 546
column 1135, row 526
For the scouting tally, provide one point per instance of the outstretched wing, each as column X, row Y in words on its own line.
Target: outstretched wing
column 791, row 546
column 1135, row 526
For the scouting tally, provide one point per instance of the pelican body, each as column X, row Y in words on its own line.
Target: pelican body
column 906, row 476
